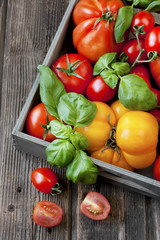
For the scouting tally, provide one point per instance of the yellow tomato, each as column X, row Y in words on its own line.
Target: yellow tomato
column 110, row 156
column 98, row 131
column 118, row 109
column 137, row 137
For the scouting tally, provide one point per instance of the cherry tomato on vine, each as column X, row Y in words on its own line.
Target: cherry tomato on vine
column 155, row 70
column 74, row 71
column 44, row 179
column 98, row 90
column 142, row 71
column 35, row 119
column 95, row 206
column 47, row 214
column 131, row 48
column 152, row 41
column 156, row 169
column 144, row 18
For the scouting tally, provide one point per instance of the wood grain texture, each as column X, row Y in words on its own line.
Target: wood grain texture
column 29, row 28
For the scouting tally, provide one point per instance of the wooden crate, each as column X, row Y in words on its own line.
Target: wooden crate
column 141, row 180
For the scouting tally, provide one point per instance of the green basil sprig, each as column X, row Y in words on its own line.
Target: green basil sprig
column 123, row 22
column 135, row 94
column 82, row 169
column 75, row 110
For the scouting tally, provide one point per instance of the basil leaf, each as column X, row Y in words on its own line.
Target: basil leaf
column 123, row 22
column 59, row 129
column 74, row 109
column 51, row 89
column 110, row 78
column 60, row 153
column 135, row 94
column 104, row 62
column 153, row 6
column 82, row 169
column 136, row 2
column 79, row 141
column 121, row 68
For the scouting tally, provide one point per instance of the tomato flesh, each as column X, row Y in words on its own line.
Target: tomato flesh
column 47, row 214
column 95, row 206
column 44, row 179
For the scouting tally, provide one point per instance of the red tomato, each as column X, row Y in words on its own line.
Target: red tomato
column 142, row 71
column 152, row 41
column 74, row 80
column 95, row 206
column 131, row 48
column 36, row 117
column 156, row 114
column 98, row 90
column 157, row 92
column 47, row 214
column 86, row 9
column 44, row 179
column 143, row 18
column 156, row 169
column 155, row 70
column 92, row 42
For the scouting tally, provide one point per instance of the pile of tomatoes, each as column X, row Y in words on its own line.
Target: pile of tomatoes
column 93, row 36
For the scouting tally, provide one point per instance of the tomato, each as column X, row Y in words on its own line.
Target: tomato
column 156, row 114
column 47, row 214
column 131, row 48
column 76, row 74
column 95, row 206
column 156, row 169
column 98, row 90
column 118, row 109
column 110, row 156
column 86, row 9
column 143, row 18
column 152, row 41
column 98, row 131
column 155, row 70
column 142, row 71
column 36, row 117
column 44, row 179
column 157, row 92
column 137, row 137
column 93, row 41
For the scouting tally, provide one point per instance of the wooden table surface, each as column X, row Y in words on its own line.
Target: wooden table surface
column 26, row 31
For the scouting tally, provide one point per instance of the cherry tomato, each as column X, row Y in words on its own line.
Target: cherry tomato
column 98, row 90
column 36, row 117
column 143, row 18
column 131, row 48
column 142, row 71
column 74, row 71
column 47, row 214
column 156, row 114
column 156, row 169
column 95, row 206
column 44, row 179
column 152, row 41
column 86, row 9
column 155, row 70
column 157, row 92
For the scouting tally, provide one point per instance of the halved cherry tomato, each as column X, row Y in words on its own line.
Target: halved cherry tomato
column 156, row 169
column 131, row 48
column 44, row 179
column 74, row 71
column 98, row 90
column 36, row 117
column 95, row 206
column 144, row 18
column 47, row 214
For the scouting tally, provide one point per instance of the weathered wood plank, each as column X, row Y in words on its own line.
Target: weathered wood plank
column 30, row 26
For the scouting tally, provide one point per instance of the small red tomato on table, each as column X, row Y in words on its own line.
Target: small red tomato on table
column 47, row 214
column 95, row 206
